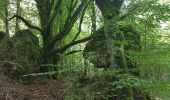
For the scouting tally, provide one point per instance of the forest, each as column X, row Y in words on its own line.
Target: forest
column 84, row 49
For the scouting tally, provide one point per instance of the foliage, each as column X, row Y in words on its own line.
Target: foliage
column 53, row 47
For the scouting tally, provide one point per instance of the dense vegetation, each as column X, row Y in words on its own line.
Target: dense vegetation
column 99, row 49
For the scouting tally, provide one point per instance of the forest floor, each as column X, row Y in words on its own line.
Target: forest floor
column 43, row 89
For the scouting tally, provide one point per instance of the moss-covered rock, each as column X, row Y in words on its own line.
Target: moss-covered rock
column 20, row 53
column 123, row 87
column 96, row 50
column 5, row 45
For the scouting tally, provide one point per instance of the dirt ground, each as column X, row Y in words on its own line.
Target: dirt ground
column 43, row 89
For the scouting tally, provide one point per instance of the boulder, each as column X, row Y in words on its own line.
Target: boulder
column 20, row 53
column 96, row 51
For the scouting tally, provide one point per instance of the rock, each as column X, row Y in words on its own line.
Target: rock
column 96, row 52
column 20, row 53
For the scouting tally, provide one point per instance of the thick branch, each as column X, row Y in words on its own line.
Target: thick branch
column 56, row 9
column 51, row 5
column 26, row 22
column 80, row 25
column 70, row 22
column 61, row 50
column 71, row 8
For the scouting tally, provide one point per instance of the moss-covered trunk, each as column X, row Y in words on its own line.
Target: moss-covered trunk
column 47, row 56
column 109, row 10
column 49, row 11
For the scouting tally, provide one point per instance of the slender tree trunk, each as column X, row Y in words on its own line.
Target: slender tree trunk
column 145, row 38
column 93, row 18
column 6, row 19
column 18, row 12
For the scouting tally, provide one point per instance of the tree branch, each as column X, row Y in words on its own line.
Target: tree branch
column 80, row 25
column 71, row 52
column 139, row 5
column 51, row 5
column 12, row 63
column 26, row 22
column 70, row 22
column 71, row 8
column 56, row 9
column 62, row 49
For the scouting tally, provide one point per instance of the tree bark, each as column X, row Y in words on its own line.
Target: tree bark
column 110, row 28
column 110, row 10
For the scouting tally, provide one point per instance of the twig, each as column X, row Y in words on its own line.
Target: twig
column 12, row 63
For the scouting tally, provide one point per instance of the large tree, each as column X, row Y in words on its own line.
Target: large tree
column 49, row 11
